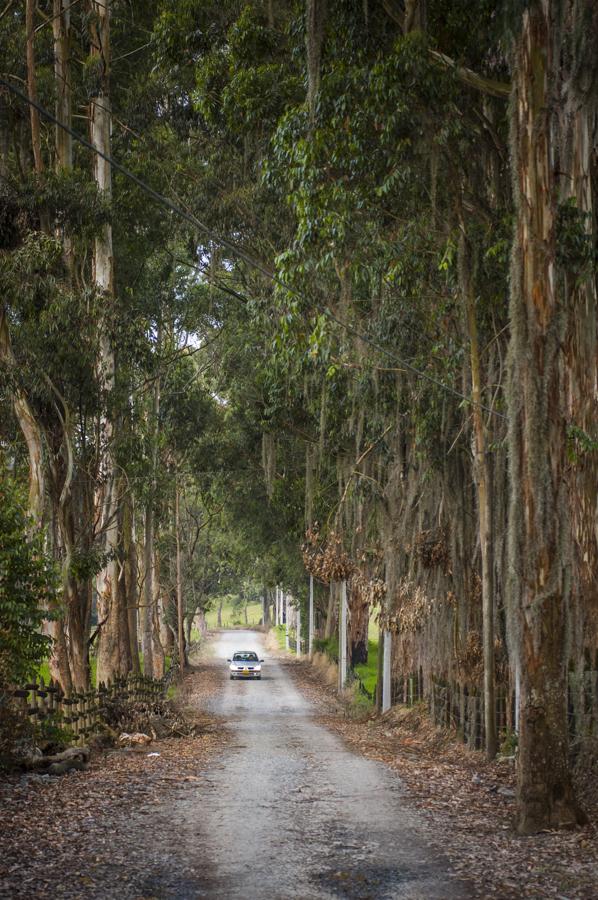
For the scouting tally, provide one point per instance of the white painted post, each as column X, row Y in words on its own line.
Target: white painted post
column 386, row 681
column 517, row 694
column 298, row 631
column 311, row 617
column 276, row 607
column 342, row 639
column 286, row 622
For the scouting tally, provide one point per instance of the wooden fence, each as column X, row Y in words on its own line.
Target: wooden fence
column 83, row 713
column 455, row 706
column 293, row 644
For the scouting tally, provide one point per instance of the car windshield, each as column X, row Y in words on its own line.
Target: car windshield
column 245, row 656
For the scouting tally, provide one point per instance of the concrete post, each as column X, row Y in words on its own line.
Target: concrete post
column 310, row 649
column 342, row 639
column 386, row 670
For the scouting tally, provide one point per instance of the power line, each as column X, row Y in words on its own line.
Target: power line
column 237, row 251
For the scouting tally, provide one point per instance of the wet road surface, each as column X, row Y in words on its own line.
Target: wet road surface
column 290, row 812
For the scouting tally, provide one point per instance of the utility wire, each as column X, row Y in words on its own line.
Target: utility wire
column 237, row 251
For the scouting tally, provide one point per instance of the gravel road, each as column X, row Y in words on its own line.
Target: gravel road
column 290, row 812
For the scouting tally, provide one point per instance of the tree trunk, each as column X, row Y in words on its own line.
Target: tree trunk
column 179, row 581
column 314, row 37
column 123, row 602
column 538, row 532
column 148, row 588
column 330, row 626
column 265, row 606
column 484, row 491
column 109, row 614
column 579, row 184
column 79, row 620
column 61, row 25
column 201, row 622
column 149, row 538
column 32, row 87
column 158, row 654
column 75, row 621
column 29, row 427
column 359, row 621
column 130, row 575
column 219, row 618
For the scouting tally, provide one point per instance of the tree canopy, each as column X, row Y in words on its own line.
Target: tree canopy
column 311, row 288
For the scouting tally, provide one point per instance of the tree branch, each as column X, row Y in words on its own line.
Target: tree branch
column 500, row 89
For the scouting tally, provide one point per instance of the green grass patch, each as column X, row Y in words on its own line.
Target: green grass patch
column 329, row 646
column 279, row 631
column 368, row 673
column 233, row 617
column 44, row 670
column 373, row 627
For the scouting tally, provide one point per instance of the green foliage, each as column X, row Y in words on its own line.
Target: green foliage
column 508, row 743
column 27, row 587
column 53, row 732
column 579, row 443
column 329, row 646
column 368, row 672
column 280, row 632
column 575, row 241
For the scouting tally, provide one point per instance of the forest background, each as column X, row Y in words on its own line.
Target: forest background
column 333, row 310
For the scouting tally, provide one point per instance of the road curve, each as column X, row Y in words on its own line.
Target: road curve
column 290, row 812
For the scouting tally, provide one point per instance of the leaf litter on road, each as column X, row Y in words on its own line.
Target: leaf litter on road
column 72, row 836
column 469, row 803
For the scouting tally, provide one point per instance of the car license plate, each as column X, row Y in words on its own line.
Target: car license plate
column 245, row 671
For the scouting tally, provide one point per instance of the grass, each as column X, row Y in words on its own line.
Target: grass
column 44, row 669
column 232, row 617
column 279, row 631
column 373, row 627
column 329, row 646
column 368, row 673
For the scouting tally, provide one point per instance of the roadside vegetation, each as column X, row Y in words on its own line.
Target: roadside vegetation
column 286, row 290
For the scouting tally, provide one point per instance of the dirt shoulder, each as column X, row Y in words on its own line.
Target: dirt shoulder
column 468, row 802
column 109, row 831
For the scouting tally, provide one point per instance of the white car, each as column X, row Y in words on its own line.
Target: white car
column 245, row 664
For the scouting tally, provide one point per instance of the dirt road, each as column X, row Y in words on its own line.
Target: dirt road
column 290, row 812
column 264, row 803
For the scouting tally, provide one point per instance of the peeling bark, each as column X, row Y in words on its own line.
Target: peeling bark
column 110, row 662
column 28, row 425
column 539, row 541
column 482, row 471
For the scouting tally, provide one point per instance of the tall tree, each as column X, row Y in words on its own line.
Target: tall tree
column 110, row 638
column 540, row 535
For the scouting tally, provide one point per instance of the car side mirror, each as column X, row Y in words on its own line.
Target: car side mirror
column 229, row 660
column 261, row 660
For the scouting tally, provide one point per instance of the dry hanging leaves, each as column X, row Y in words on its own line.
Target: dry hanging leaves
column 431, row 548
column 409, row 608
column 326, row 560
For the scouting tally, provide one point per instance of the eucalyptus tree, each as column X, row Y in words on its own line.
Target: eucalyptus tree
column 553, row 292
column 320, row 335
column 389, row 340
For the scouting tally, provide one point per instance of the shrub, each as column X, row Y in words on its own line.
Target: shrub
column 27, row 587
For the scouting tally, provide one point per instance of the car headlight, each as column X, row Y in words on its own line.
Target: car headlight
column 257, row 668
